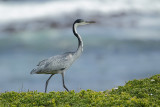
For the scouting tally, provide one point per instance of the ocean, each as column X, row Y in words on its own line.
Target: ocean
column 123, row 45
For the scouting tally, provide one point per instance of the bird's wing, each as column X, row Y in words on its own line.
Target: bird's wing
column 54, row 64
column 58, row 62
column 42, row 62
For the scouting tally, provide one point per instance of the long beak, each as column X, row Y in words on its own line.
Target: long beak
column 90, row 22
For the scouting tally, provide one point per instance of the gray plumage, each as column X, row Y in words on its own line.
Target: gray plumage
column 60, row 63
column 54, row 64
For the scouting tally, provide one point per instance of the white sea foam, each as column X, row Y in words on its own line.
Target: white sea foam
column 21, row 11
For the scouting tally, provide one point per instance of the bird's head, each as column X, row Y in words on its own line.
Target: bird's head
column 82, row 22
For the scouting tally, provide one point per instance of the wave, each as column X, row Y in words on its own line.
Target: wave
column 15, row 11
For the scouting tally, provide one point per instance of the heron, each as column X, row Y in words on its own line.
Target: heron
column 60, row 63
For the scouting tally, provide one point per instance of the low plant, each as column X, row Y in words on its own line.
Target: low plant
column 136, row 93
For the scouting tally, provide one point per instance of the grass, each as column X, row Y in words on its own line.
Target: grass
column 136, row 93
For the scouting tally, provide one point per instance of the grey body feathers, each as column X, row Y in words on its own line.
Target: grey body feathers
column 55, row 64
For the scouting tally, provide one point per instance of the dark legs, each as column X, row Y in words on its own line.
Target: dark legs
column 63, row 82
column 47, row 82
column 50, row 78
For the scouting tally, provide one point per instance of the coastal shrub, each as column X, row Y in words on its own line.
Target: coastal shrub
column 136, row 93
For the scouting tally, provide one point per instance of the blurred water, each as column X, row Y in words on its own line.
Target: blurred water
column 120, row 47
column 19, row 11
column 107, row 61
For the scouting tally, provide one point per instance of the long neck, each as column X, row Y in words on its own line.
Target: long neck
column 80, row 42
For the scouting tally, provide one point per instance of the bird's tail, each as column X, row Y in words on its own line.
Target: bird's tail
column 33, row 71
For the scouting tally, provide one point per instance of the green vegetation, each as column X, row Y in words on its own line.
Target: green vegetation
column 136, row 93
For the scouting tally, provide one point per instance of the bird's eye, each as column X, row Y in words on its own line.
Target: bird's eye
column 79, row 21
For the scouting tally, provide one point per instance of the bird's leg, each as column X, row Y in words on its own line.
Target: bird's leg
column 47, row 82
column 63, row 82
